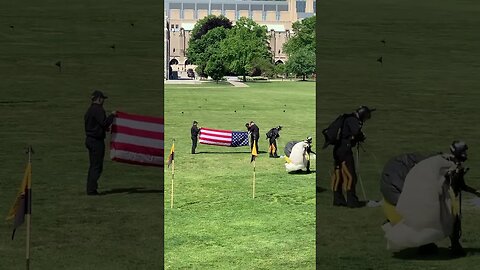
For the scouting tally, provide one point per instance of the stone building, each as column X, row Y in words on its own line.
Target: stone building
column 278, row 16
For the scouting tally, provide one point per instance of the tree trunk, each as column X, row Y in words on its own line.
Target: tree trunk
column 244, row 78
column 304, row 77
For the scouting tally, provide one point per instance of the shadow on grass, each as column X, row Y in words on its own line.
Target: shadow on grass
column 21, row 101
column 303, row 172
column 134, row 190
column 442, row 255
column 261, row 152
column 321, row 189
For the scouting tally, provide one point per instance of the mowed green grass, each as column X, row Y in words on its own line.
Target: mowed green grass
column 427, row 95
column 45, row 108
column 215, row 222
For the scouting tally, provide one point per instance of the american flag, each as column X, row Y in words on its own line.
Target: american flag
column 137, row 139
column 223, row 137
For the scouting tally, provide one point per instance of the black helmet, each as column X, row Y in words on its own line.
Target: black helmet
column 309, row 139
column 364, row 112
column 279, row 127
column 459, row 150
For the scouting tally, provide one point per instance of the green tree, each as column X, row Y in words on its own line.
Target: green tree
column 301, row 48
column 280, row 69
column 301, row 62
column 304, row 36
column 208, row 23
column 200, row 51
column 215, row 67
column 206, row 36
column 262, row 67
column 245, row 43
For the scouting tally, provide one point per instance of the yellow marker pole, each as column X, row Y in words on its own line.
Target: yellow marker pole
column 28, row 205
column 253, row 191
column 173, row 176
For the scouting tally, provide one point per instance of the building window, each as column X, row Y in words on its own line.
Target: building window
column 173, row 49
column 314, row 6
column 301, row 6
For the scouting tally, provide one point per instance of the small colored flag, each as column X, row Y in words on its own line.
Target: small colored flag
column 137, row 139
column 223, row 137
column 171, row 156
column 254, row 152
column 23, row 202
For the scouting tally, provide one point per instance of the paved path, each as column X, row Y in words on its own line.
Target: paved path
column 235, row 82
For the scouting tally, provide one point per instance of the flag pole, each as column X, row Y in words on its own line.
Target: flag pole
column 173, row 176
column 28, row 210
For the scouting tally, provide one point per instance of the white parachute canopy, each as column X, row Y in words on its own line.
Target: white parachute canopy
column 425, row 206
column 298, row 157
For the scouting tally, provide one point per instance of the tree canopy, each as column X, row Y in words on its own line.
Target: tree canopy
column 245, row 43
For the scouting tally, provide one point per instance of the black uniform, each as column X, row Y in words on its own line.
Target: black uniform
column 194, row 131
column 254, row 135
column 345, row 174
column 96, row 125
column 272, row 139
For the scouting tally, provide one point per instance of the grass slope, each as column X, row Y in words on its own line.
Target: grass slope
column 43, row 107
column 427, row 95
column 215, row 223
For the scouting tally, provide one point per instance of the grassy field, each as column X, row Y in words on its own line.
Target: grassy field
column 43, row 107
column 427, row 94
column 215, row 223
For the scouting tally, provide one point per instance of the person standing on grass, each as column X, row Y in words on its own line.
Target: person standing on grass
column 272, row 136
column 254, row 134
column 345, row 174
column 96, row 125
column 194, row 132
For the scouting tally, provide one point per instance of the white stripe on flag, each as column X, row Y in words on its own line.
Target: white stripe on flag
column 139, row 125
column 141, row 141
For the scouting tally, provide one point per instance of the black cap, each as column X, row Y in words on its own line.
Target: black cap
column 98, row 94
column 195, row 122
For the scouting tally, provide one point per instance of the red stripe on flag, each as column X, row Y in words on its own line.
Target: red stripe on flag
column 215, row 135
column 137, row 132
column 137, row 149
column 141, row 118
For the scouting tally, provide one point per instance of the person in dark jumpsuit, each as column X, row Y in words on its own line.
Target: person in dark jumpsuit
column 96, row 126
column 456, row 181
column 309, row 141
column 194, row 132
column 345, row 174
column 254, row 134
column 272, row 140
